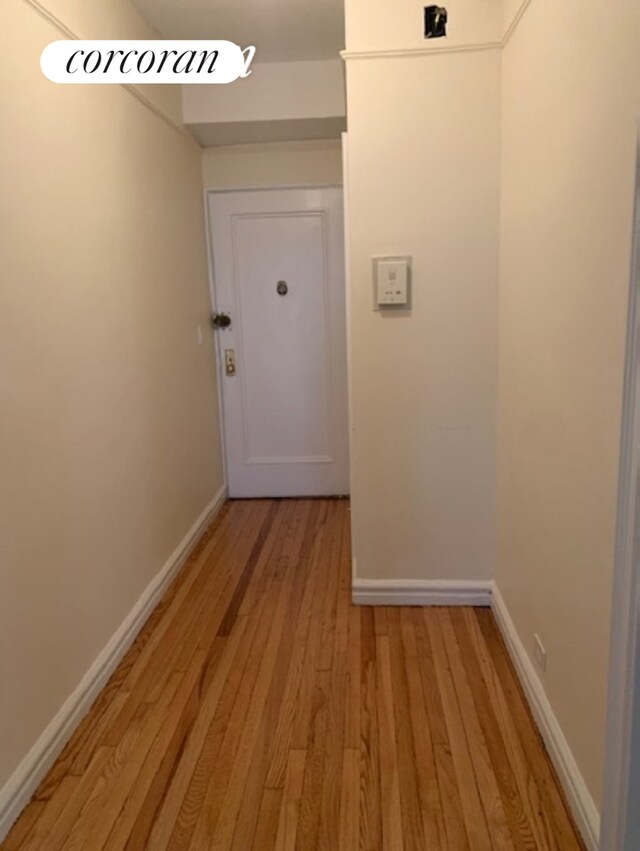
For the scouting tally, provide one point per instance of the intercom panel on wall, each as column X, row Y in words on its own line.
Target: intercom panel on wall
column 391, row 283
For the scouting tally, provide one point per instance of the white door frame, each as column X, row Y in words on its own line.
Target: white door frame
column 212, row 294
column 623, row 735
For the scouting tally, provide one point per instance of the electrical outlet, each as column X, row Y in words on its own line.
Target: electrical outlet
column 539, row 652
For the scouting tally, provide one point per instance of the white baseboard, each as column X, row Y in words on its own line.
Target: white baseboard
column 417, row 592
column 367, row 592
column 22, row 784
column 579, row 798
column 383, row 592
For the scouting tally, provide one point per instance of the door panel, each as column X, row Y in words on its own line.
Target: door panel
column 279, row 273
column 292, row 328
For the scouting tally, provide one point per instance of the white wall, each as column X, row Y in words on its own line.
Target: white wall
column 278, row 101
column 280, row 164
column 424, row 158
column 110, row 445
column 380, row 25
column 110, row 19
column 571, row 81
column 511, row 9
column 276, row 90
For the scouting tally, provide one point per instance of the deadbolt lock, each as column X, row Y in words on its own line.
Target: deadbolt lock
column 229, row 362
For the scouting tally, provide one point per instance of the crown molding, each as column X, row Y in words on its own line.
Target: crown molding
column 134, row 91
column 406, row 53
column 515, row 21
column 410, row 52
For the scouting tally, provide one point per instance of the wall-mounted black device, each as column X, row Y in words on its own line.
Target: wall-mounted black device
column 435, row 22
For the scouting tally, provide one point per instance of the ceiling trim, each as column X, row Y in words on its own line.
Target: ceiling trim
column 403, row 53
column 515, row 21
column 66, row 31
column 473, row 47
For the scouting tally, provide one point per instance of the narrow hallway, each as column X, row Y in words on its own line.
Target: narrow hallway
column 259, row 709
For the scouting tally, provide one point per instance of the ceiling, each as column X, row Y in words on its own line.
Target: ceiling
column 281, row 30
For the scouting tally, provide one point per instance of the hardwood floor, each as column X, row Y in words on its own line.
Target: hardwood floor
column 258, row 709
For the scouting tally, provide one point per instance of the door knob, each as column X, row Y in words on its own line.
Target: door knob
column 220, row 320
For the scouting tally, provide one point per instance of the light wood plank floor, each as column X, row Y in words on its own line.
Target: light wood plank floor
column 258, row 709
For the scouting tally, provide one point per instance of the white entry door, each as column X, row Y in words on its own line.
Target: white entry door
column 278, row 258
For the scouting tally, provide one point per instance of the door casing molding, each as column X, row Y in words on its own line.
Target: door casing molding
column 624, row 664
